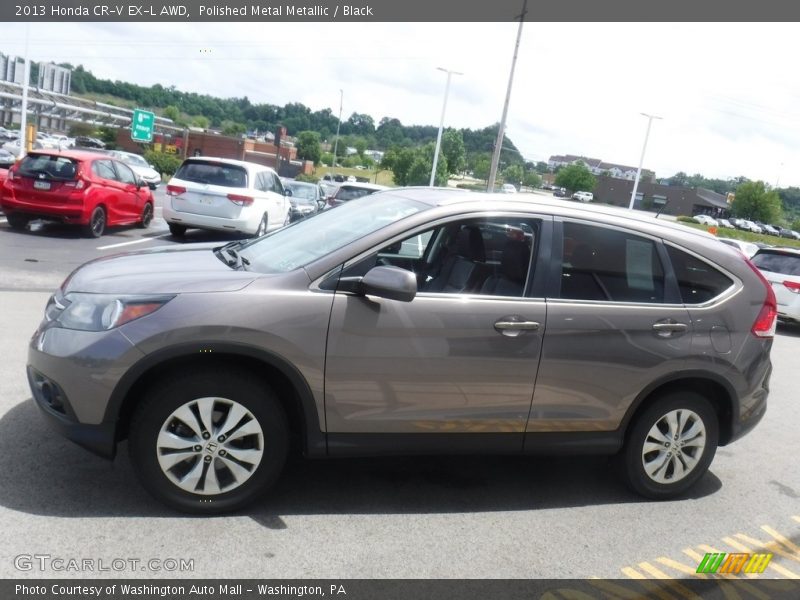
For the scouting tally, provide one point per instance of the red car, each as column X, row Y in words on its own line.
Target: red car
column 83, row 188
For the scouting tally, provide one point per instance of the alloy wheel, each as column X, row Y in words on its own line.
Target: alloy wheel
column 674, row 446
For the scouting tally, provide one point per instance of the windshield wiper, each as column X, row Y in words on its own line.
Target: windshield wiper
column 232, row 258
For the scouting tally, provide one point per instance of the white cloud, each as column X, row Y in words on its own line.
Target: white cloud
column 726, row 91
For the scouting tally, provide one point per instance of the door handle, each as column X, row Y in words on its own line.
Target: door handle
column 667, row 328
column 512, row 328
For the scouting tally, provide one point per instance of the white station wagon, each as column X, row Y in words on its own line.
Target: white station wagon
column 225, row 195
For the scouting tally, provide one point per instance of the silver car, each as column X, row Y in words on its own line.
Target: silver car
column 411, row 321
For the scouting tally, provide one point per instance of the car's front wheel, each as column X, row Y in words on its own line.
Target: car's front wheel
column 671, row 445
column 209, row 443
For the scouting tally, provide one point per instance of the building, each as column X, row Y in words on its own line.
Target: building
column 670, row 200
column 53, row 78
column 599, row 167
column 12, row 69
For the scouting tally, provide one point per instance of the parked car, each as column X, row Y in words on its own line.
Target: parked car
column 334, row 177
column 83, row 141
column 307, row 198
column 508, row 188
column 328, row 189
column 140, row 166
column 706, row 220
column 351, row 191
column 781, row 267
column 560, row 192
column 785, row 232
column 769, row 229
column 6, row 158
column 583, row 196
column 725, row 223
column 747, row 248
column 81, row 188
column 341, row 334
column 747, row 225
column 225, row 195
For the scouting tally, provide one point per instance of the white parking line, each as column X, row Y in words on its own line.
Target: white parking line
column 139, row 241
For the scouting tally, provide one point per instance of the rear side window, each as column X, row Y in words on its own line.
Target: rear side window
column 50, row 167
column 104, row 169
column 775, row 262
column 698, row 281
column 124, row 173
column 610, row 265
column 213, row 173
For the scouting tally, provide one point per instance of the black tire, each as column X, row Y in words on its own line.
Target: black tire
column 262, row 226
column 18, row 222
column 167, row 396
column 97, row 223
column 177, row 230
column 632, row 457
column 147, row 215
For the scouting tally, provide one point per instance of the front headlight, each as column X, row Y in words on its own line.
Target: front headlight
column 101, row 312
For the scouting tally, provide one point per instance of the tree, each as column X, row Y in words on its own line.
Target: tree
column 233, row 129
column 541, row 167
column 481, row 167
column 327, row 158
column 81, row 129
column 754, row 202
column 399, row 161
column 172, row 112
column 532, row 179
column 796, row 225
column 308, row 146
column 419, row 173
column 513, row 174
column 453, row 150
column 201, row 122
column 576, row 177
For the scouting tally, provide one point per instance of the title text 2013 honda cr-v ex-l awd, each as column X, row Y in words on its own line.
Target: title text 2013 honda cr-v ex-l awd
column 411, row 321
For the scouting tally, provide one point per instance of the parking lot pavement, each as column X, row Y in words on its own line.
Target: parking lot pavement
column 464, row 517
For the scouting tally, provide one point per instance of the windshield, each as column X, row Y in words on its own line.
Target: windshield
column 134, row 159
column 786, row 264
column 306, row 241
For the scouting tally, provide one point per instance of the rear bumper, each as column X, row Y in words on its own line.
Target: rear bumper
column 68, row 213
column 246, row 223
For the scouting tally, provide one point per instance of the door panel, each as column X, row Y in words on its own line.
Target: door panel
column 437, row 364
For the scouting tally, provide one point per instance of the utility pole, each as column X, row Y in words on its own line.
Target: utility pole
column 498, row 145
column 441, row 123
column 641, row 158
column 338, row 125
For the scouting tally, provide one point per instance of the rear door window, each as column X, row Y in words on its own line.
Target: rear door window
column 610, row 265
column 124, row 173
column 104, row 170
column 776, row 262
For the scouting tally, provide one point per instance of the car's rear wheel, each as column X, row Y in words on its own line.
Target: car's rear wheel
column 209, row 443
column 97, row 223
column 18, row 222
column 177, row 230
column 262, row 226
column 147, row 215
column 671, row 445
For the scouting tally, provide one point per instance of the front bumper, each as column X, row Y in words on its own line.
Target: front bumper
column 59, row 415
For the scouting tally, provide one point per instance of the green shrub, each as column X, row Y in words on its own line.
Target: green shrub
column 164, row 163
column 685, row 219
column 306, row 178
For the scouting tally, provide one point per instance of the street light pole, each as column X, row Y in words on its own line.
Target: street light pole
column 339, row 124
column 641, row 158
column 23, row 116
column 501, row 131
column 441, row 122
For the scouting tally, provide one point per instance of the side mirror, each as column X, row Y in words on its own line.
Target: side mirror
column 392, row 283
column 287, row 192
column 140, row 183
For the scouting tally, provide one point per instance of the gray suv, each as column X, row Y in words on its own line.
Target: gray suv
column 412, row 321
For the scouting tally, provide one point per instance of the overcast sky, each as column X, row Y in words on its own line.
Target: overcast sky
column 729, row 94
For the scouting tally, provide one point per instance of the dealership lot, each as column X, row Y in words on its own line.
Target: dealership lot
column 453, row 517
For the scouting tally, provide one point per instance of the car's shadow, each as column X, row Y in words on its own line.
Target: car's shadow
column 47, row 475
column 789, row 329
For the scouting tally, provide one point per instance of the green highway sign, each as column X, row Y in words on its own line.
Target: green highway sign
column 142, row 126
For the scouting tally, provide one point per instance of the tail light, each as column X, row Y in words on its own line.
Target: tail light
column 792, row 286
column 240, row 200
column 765, row 323
column 175, row 190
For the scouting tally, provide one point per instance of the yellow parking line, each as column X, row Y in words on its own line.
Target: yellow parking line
column 681, row 568
column 632, row 573
column 782, row 539
column 796, row 518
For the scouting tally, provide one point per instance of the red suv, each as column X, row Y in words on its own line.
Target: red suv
column 83, row 188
